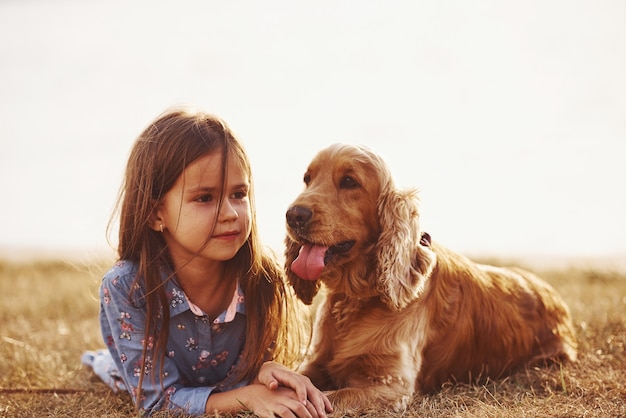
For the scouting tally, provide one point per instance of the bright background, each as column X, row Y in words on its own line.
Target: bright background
column 510, row 117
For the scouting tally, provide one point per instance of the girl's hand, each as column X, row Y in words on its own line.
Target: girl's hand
column 279, row 402
column 273, row 375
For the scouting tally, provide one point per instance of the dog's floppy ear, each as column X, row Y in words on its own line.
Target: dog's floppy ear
column 403, row 263
column 305, row 289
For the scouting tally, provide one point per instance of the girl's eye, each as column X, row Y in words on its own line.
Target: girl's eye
column 239, row 195
column 204, row 198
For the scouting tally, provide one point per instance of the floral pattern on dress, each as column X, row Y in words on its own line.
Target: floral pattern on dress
column 176, row 298
column 191, row 344
column 126, row 327
column 147, row 367
column 105, row 296
column 204, row 319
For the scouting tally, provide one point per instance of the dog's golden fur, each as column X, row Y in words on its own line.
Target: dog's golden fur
column 401, row 314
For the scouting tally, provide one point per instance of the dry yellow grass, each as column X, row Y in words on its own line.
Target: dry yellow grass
column 48, row 317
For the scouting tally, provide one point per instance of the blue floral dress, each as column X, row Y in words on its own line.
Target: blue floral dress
column 201, row 354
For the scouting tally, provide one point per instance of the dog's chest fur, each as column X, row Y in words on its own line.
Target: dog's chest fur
column 343, row 311
column 358, row 327
column 347, row 313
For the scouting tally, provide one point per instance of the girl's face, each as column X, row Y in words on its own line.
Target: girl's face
column 189, row 211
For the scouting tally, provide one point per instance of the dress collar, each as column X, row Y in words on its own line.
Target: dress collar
column 179, row 302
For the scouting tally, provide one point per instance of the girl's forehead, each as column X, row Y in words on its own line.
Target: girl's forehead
column 208, row 169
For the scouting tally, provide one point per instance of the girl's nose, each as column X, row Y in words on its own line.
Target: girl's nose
column 227, row 211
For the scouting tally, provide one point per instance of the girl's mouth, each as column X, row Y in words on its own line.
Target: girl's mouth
column 227, row 235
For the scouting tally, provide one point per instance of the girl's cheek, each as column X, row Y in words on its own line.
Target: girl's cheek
column 247, row 218
column 242, row 208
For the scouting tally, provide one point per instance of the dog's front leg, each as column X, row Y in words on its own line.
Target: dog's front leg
column 318, row 374
column 381, row 395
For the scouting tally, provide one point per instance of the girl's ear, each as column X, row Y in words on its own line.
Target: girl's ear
column 403, row 262
column 155, row 222
column 305, row 289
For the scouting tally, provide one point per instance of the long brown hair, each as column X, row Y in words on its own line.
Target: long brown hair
column 160, row 154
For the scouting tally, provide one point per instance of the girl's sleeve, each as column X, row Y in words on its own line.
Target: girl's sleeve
column 123, row 327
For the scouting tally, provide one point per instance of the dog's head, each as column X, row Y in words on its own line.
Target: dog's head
column 352, row 229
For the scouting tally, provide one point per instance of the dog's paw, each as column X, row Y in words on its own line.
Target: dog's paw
column 354, row 402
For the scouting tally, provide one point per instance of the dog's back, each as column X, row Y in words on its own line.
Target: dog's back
column 485, row 321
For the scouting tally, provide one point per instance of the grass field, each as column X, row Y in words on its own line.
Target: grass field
column 48, row 317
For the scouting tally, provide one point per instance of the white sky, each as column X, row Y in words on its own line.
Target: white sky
column 510, row 117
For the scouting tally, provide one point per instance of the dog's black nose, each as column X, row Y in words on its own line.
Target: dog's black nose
column 298, row 216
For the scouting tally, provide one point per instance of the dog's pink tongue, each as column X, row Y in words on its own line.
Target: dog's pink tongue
column 310, row 262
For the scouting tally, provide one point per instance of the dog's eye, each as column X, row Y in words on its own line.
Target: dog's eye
column 307, row 179
column 348, row 183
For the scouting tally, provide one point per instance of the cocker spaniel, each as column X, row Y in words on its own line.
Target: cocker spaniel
column 401, row 314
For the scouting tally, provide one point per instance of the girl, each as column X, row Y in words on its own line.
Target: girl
column 195, row 313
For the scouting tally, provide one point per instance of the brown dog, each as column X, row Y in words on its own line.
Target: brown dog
column 402, row 314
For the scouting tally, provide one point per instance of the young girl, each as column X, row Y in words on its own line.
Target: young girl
column 196, row 315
